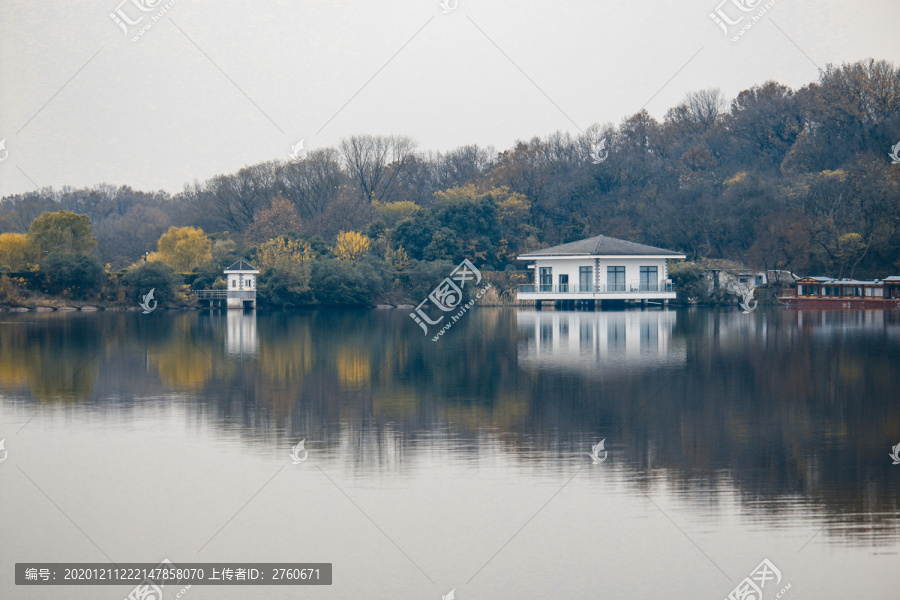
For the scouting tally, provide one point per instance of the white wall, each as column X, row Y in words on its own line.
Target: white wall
column 729, row 281
column 570, row 267
column 235, row 283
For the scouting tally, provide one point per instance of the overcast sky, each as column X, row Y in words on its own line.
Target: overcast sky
column 214, row 86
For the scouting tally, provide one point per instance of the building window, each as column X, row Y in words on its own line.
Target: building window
column 564, row 283
column 546, row 280
column 649, row 279
column 759, row 280
column 584, row 279
column 615, row 279
column 234, row 283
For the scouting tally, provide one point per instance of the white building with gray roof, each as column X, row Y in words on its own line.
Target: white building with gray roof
column 599, row 268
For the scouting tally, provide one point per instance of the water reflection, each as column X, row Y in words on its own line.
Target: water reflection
column 599, row 343
column 781, row 409
column 827, row 321
column 241, row 338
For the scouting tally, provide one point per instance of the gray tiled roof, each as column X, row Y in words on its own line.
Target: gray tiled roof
column 851, row 282
column 833, row 281
column 601, row 245
column 241, row 265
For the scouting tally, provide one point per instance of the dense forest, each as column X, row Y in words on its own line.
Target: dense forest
column 778, row 179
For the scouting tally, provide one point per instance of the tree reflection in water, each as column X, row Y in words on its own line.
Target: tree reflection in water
column 786, row 408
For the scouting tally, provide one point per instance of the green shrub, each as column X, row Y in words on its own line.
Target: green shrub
column 421, row 279
column 74, row 276
column 339, row 283
column 285, row 288
column 155, row 275
column 689, row 282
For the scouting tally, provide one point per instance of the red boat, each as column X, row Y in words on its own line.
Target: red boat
column 825, row 292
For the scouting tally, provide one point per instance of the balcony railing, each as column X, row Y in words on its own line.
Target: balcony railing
column 211, row 294
column 223, row 294
column 611, row 288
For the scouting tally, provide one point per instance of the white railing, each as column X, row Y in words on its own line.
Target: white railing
column 611, row 288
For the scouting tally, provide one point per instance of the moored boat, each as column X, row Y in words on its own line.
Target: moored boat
column 825, row 292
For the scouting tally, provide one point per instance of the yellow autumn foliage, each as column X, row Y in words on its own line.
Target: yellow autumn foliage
column 17, row 252
column 283, row 253
column 394, row 212
column 398, row 258
column 183, row 248
column 351, row 246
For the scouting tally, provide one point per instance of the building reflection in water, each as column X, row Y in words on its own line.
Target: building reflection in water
column 837, row 320
column 599, row 342
column 241, row 338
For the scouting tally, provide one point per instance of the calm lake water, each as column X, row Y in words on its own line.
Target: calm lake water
column 459, row 464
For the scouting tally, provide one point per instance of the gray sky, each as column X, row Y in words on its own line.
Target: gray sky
column 214, row 86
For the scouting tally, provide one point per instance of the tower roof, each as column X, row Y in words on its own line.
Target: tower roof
column 241, row 266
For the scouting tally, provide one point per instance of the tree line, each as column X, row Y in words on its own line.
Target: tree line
column 777, row 178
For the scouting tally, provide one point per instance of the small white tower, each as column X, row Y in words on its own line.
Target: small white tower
column 241, row 278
